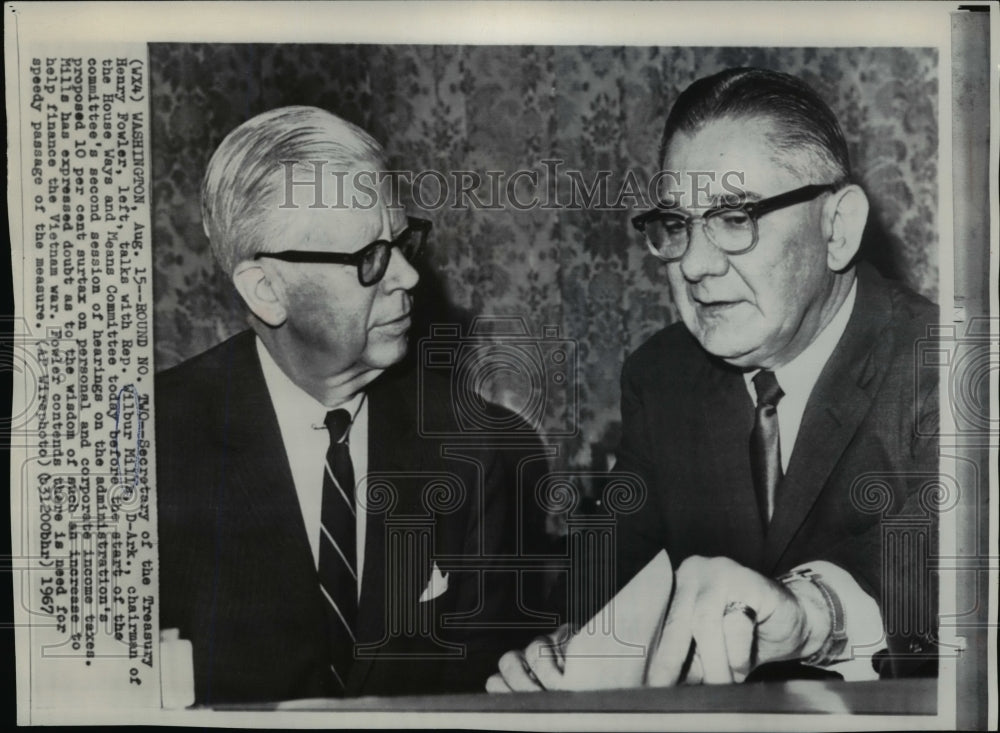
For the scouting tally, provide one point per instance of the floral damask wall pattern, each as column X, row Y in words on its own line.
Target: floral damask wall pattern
column 581, row 269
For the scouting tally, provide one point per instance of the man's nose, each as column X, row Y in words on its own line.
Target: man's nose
column 400, row 274
column 703, row 258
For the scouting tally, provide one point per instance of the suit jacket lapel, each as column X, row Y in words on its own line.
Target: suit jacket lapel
column 838, row 403
column 262, row 491
column 263, row 553
column 725, row 420
column 393, row 453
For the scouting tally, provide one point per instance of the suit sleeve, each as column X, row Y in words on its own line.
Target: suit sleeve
column 499, row 605
column 911, row 613
column 891, row 559
column 639, row 535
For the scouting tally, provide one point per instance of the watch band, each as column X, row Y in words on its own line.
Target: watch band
column 835, row 643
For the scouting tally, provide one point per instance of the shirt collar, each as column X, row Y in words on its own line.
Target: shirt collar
column 801, row 373
column 293, row 404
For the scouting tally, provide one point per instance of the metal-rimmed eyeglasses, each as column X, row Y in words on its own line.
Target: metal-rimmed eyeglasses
column 371, row 260
column 732, row 228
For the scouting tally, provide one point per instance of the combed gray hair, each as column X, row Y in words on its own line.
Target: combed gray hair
column 804, row 125
column 246, row 174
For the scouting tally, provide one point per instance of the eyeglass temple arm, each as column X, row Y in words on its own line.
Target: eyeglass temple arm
column 333, row 258
column 806, row 193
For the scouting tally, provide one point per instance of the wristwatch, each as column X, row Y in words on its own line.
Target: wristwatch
column 835, row 643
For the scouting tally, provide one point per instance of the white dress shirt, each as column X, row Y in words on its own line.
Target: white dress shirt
column 306, row 439
column 797, row 378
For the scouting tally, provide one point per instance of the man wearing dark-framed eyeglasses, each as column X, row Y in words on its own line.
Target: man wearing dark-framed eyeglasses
column 372, row 261
column 766, row 421
column 287, row 455
column 732, row 227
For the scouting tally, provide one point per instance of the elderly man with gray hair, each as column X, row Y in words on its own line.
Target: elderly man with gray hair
column 312, row 541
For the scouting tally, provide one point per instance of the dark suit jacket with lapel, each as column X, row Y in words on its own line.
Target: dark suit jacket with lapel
column 860, row 477
column 236, row 571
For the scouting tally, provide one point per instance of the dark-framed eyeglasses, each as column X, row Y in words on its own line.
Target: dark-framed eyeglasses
column 371, row 260
column 733, row 228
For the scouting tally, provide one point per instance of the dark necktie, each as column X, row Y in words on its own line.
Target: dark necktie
column 765, row 446
column 337, row 555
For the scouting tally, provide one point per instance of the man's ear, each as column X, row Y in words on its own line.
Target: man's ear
column 258, row 293
column 844, row 217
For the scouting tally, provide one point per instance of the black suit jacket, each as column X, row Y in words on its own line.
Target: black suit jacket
column 860, row 481
column 237, row 574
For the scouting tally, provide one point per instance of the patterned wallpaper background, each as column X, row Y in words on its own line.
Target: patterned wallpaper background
column 505, row 108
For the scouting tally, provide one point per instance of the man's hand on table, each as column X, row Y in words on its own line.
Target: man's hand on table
column 735, row 617
column 737, row 620
column 539, row 667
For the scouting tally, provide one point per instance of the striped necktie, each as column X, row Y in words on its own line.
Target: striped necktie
column 337, row 555
column 765, row 446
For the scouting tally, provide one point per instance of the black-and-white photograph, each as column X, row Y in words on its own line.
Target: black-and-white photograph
column 516, row 377
column 557, row 190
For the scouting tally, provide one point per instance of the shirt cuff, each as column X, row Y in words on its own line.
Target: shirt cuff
column 862, row 623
